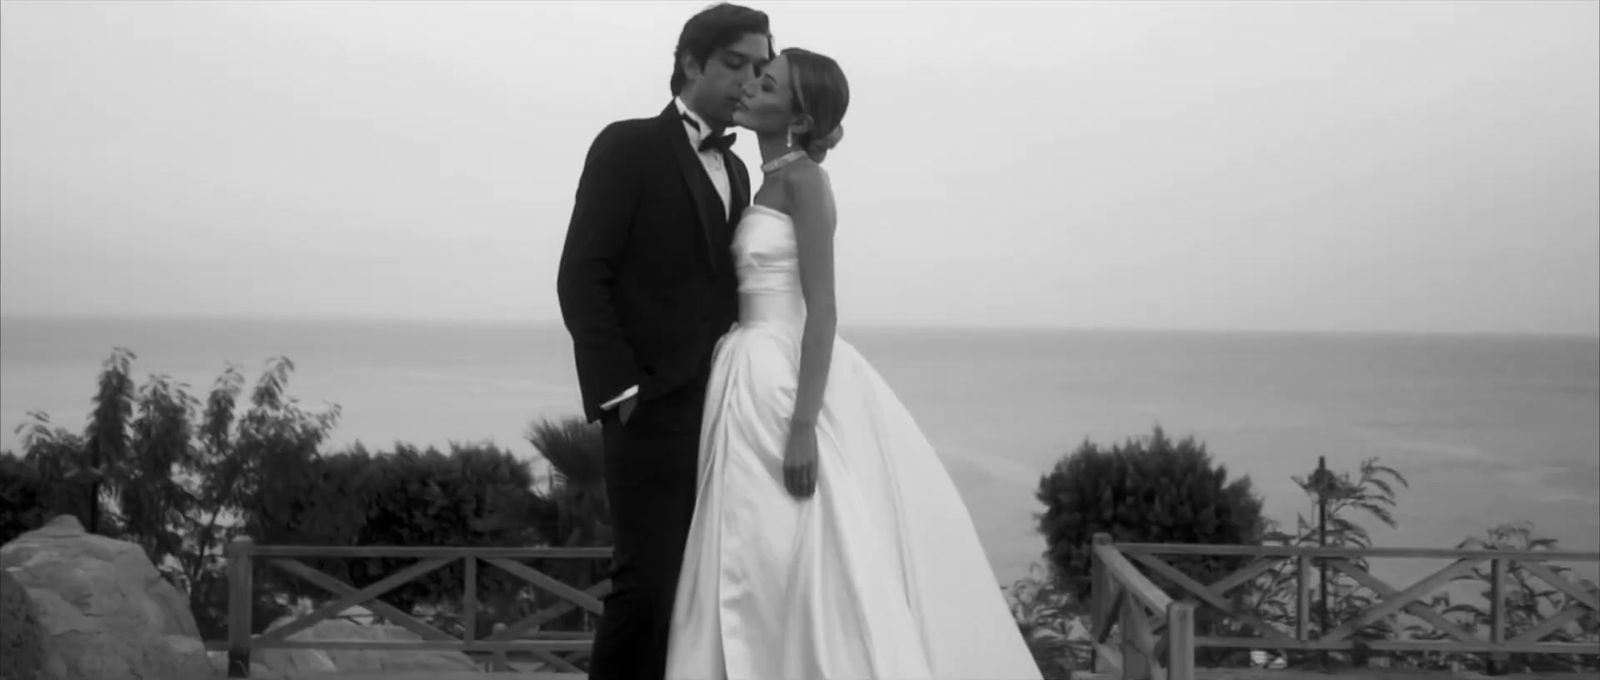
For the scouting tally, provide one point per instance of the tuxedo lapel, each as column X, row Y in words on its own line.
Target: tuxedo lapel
column 736, row 181
column 706, row 202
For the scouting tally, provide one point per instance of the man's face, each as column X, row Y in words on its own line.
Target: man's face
column 716, row 89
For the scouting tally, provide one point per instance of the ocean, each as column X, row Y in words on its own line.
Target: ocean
column 1488, row 429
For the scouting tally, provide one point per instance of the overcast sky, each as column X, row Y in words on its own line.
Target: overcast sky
column 1292, row 165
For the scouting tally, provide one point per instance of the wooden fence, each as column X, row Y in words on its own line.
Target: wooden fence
column 1124, row 599
column 1157, row 635
column 1125, row 595
column 521, row 637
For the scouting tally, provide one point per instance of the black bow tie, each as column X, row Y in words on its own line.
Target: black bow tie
column 720, row 143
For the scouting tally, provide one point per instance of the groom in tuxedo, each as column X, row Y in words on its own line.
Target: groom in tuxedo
column 647, row 287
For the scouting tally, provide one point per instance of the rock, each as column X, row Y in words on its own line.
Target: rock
column 21, row 645
column 219, row 668
column 104, row 610
column 293, row 662
column 259, row 671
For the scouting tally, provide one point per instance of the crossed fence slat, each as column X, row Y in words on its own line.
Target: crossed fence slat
column 1121, row 591
column 1125, row 598
column 1157, row 632
column 549, row 647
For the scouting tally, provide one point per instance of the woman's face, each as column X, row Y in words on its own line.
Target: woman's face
column 768, row 104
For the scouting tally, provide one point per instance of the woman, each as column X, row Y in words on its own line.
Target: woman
column 828, row 541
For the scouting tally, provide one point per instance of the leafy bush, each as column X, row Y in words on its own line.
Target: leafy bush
column 1372, row 492
column 149, row 471
column 1054, row 625
column 26, row 501
column 407, row 497
column 47, row 480
column 1140, row 491
column 1530, row 601
column 1150, row 490
column 476, row 495
column 184, row 477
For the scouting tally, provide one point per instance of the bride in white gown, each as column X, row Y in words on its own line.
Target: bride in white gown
column 828, row 541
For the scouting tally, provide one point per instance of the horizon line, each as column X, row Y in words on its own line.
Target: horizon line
column 936, row 325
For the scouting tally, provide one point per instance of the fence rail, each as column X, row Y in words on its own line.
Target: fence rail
column 1126, row 599
column 1126, row 570
column 523, row 636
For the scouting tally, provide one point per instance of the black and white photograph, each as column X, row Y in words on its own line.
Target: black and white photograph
column 799, row 340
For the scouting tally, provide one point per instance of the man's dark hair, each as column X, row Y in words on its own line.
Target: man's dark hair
column 714, row 28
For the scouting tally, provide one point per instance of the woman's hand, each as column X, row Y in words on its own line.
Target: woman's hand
column 800, row 461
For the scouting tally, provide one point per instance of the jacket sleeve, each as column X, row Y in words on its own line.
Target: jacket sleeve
column 597, row 237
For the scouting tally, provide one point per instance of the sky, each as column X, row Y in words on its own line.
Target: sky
column 1280, row 166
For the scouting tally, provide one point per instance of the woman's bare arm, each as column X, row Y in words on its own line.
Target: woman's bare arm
column 811, row 206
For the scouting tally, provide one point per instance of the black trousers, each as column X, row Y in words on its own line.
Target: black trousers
column 650, row 477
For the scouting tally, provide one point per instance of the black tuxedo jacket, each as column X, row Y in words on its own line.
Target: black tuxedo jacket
column 646, row 281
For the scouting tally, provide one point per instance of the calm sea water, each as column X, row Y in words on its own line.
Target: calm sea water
column 1487, row 429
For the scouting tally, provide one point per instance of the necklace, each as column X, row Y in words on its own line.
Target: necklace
column 774, row 164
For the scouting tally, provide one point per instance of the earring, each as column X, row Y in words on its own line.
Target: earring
column 788, row 137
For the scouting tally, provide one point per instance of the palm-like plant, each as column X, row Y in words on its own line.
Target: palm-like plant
column 571, row 510
column 567, row 509
column 574, row 510
column 1372, row 492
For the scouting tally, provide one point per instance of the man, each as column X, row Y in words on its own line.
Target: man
column 647, row 287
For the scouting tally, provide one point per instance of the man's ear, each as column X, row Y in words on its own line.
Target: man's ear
column 690, row 69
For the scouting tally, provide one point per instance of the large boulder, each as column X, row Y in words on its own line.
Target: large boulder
column 21, row 645
column 104, row 610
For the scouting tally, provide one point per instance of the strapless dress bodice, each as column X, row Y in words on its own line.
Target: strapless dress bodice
column 768, row 264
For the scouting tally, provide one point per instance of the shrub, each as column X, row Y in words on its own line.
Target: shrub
column 1052, row 623
column 407, row 497
column 1150, row 490
column 1530, row 602
column 184, row 476
column 45, row 481
column 24, row 498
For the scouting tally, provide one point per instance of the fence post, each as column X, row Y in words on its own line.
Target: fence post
column 469, row 602
column 1180, row 641
column 1099, row 600
column 1321, row 475
column 240, row 594
column 1497, row 615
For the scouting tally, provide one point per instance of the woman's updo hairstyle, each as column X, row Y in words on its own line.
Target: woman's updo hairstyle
column 821, row 92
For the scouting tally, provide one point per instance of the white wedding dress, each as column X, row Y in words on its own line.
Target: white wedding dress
column 878, row 576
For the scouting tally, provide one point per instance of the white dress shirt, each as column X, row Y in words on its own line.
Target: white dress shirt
column 716, row 169
column 710, row 159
